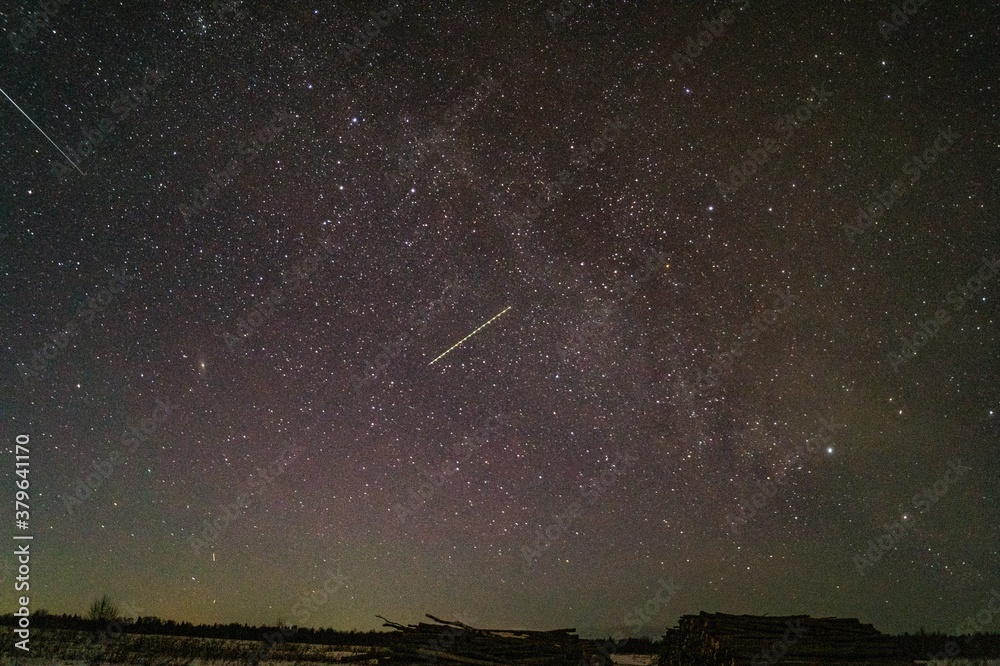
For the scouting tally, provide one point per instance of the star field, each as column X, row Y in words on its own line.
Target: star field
column 716, row 255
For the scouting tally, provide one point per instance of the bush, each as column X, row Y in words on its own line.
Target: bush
column 104, row 610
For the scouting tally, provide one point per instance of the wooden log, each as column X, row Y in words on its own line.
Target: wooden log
column 454, row 623
column 743, row 639
column 390, row 623
column 450, row 641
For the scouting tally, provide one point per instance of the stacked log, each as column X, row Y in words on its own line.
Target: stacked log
column 735, row 640
column 450, row 642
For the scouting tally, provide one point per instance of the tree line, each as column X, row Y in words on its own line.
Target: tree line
column 154, row 626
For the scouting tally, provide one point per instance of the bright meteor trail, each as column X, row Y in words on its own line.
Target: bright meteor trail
column 42, row 131
column 470, row 335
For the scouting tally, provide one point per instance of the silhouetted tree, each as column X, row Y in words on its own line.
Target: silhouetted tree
column 104, row 610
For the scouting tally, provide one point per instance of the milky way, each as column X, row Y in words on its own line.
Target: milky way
column 747, row 263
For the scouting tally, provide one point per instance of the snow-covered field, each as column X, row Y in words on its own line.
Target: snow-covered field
column 153, row 660
column 73, row 648
column 634, row 659
column 960, row 662
column 77, row 648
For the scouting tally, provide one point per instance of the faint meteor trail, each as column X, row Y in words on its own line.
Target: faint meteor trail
column 42, row 131
column 470, row 335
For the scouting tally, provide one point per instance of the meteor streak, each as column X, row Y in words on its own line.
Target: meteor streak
column 43, row 133
column 469, row 335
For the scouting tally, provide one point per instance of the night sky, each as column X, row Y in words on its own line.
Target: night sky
column 737, row 264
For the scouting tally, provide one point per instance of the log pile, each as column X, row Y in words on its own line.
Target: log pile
column 737, row 640
column 449, row 642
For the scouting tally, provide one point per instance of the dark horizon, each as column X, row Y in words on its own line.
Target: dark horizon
column 127, row 621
